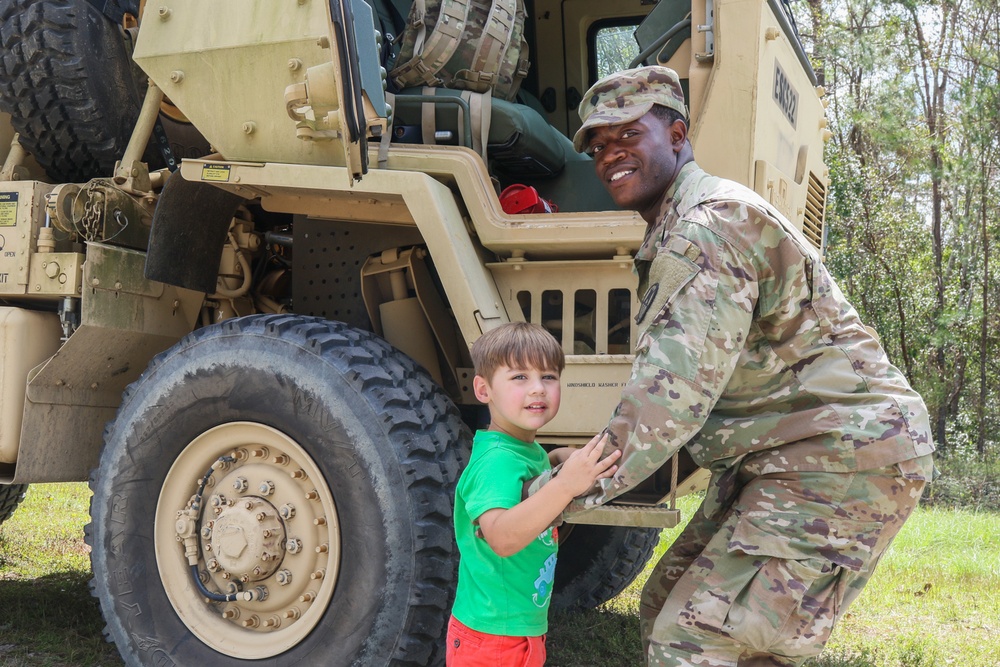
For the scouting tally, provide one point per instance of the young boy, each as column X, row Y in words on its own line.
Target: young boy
column 507, row 547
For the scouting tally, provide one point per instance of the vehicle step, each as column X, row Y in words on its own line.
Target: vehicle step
column 633, row 516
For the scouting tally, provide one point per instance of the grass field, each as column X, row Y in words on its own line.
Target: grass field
column 935, row 600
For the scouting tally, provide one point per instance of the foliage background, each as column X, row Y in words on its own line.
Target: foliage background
column 914, row 106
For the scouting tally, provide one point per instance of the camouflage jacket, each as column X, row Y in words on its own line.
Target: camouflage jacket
column 748, row 352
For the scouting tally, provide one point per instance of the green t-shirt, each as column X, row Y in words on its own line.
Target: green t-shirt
column 501, row 596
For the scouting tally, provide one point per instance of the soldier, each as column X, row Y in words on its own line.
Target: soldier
column 749, row 356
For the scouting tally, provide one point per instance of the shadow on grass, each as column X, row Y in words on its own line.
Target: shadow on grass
column 51, row 621
column 602, row 637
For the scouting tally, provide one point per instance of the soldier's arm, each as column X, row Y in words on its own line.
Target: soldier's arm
column 683, row 362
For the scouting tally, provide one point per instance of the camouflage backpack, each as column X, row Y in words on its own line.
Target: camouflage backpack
column 475, row 45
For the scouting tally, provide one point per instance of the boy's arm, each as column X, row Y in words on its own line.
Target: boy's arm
column 507, row 531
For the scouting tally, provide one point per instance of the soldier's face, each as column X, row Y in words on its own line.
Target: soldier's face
column 638, row 161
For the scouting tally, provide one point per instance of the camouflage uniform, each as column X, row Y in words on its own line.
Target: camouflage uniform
column 749, row 356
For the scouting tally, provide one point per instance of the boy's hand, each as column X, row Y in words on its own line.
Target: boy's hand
column 584, row 466
column 559, row 455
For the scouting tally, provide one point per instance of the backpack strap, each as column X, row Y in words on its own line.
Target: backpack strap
column 514, row 64
column 494, row 41
column 480, row 115
column 414, row 30
column 430, row 53
column 428, row 119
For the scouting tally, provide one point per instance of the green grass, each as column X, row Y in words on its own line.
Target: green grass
column 933, row 602
column 47, row 615
column 935, row 599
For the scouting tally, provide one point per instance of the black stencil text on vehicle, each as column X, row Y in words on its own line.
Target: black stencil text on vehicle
column 785, row 95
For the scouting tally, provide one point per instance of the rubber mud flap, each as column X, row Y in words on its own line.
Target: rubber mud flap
column 188, row 234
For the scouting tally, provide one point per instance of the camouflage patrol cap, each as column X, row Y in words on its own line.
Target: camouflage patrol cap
column 626, row 96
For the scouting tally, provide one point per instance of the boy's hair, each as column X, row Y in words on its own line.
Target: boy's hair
column 517, row 344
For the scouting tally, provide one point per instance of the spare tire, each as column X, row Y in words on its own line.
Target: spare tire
column 68, row 81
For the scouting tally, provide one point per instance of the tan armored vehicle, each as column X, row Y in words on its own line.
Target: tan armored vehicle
column 244, row 249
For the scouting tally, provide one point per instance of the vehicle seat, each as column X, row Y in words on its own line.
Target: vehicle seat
column 520, row 140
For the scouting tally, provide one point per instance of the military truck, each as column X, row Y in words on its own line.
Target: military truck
column 242, row 259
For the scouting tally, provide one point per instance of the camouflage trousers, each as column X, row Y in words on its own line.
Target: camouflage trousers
column 769, row 563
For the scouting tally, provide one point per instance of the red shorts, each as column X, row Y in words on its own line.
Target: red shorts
column 469, row 648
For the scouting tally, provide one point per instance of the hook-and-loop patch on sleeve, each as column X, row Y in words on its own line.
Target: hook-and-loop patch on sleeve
column 676, row 308
column 673, row 267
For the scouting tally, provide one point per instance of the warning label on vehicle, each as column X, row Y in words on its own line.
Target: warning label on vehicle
column 8, row 209
column 218, row 173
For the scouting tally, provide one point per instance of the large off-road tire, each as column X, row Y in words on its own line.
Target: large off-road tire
column 339, row 501
column 11, row 496
column 596, row 563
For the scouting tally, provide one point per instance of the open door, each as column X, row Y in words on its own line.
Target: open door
column 254, row 79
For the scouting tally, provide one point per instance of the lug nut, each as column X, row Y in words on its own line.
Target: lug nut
column 266, row 488
column 213, row 565
column 251, row 622
column 259, row 453
column 284, row 577
column 318, row 574
column 272, row 622
column 206, row 532
column 292, row 613
column 308, row 596
column 293, row 545
column 281, row 460
column 240, row 484
column 320, row 521
column 287, row 511
column 299, row 474
column 323, row 548
column 232, row 613
column 312, row 495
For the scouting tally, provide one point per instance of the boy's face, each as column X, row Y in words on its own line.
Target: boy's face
column 521, row 400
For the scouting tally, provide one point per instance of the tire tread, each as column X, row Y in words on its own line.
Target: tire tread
column 423, row 424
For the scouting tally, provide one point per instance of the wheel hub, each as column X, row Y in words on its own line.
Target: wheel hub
column 247, row 538
column 268, row 526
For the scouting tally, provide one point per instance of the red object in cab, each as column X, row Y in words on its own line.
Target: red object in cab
column 519, row 198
